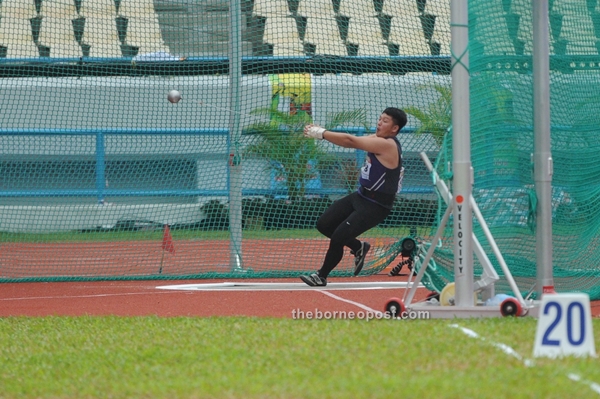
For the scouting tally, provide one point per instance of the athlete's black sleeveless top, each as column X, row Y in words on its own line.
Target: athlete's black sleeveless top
column 378, row 183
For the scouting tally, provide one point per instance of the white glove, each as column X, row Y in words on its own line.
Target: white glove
column 316, row 132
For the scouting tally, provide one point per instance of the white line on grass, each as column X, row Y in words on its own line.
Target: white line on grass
column 527, row 362
column 594, row 386
column 503, row 347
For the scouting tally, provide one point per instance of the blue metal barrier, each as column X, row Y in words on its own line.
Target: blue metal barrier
column 100, row 191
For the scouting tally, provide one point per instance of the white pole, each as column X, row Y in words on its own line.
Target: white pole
column 235, row 165
column 461, row 151
column 542, row 157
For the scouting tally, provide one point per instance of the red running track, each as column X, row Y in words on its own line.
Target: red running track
column 142, row 298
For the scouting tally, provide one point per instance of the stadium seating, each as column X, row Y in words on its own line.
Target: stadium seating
column 288, row 49
column 109, row 51
column 16, row 36
column 66, row 50
column 400, row 8
column 373, row 50
column 324, row 34
column 433, row 18
column 98, row 9
column 281, row 30
column 407, row 34
column 28, row 50
column 572, row 29
column 357, row 8
column 271, row 8
column 578, row 32
column 355, row 27
column 441, row 29
column 522, row 15
column 496, row 38
column 335, row 48
column 18, row 9
column 15, row 28
column 103, row 28
column 66, row 28
column 101, row 35
column 316, row 8
column 282, row 33
column 58, row 9
column 15, row 31
column 56, row 32
column 136, row 8
column 144, row 33
column 364, row 31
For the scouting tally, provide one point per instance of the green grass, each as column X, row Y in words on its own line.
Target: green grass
column 151, row 357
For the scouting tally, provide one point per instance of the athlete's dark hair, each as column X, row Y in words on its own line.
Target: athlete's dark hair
column 398, row 116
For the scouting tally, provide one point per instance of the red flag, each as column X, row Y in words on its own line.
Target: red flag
column 167, row 243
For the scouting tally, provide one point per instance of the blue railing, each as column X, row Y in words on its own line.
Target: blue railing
column 100, row 191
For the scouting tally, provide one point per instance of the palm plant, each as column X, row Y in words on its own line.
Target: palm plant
column 292, row 156
column 437, row 118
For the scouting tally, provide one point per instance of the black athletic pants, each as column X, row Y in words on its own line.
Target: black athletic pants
column 342, row 222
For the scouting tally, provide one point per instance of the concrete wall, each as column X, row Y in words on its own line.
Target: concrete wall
column 141, row 103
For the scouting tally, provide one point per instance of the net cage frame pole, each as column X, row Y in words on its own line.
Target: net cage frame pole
column 235, row 164
column 489, row 275
column 461, row 202
column 542, row 156
column 461, row 153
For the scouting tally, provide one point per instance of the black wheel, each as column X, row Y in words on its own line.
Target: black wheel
column 511, row 307
column 395, row 307
column 408, row 246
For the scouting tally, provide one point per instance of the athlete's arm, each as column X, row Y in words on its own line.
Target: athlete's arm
column 371, row 143
column 385, row 150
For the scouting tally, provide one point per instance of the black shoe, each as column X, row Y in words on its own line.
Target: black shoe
column 314, row 280
column 359, row 257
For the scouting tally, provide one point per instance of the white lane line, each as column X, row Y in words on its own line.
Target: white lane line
column 339, row 298
column 225, row 286
column 259, row 286
column 81, row 296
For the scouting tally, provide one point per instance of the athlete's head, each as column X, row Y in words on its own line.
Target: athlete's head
column 391, row 121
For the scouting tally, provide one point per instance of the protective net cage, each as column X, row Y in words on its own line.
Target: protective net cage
column 502, row 139
column 102, row 177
